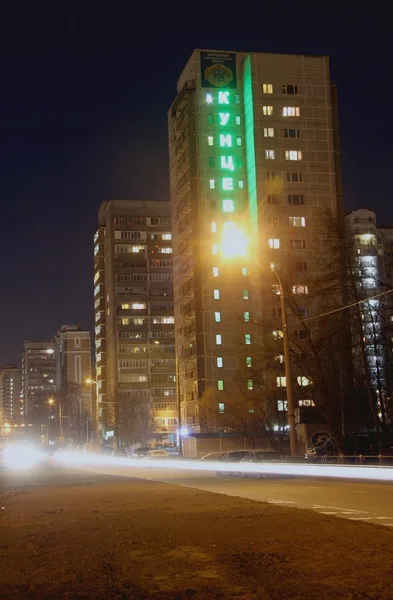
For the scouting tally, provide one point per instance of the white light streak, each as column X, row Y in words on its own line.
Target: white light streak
column 301, row 470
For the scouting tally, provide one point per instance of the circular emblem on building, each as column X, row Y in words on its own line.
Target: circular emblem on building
column 218, row 75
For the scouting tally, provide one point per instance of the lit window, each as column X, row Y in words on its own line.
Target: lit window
column 300, row 289
column 247, row 339
column 249, row 361
column 215, row 271
column 281, row 381
column 268, row 132
column 125, row 306
column 228, row 206
column 277, row 334
column 267, row 110
column 220, row 385
column 218, row 339
column 227, row 183
column 244, row 271
column 240, row 184
column 270, row 154
column 214, row 248
column 238, row 141
column 166, row 236
column 125, row 321
column 210, row 140
column 246, row 317
column 216, row 294
column 290, row 111
column 282, row 405
column 214, row 227
column 217, row 317
column 220, row 362
column 221, row 408
column 245, row 294
column 267, row 88
column 212, row 184
column 209, row 98
column 297, row 221
column 293, row 155
column 303, row 381
column 137, row 306
column 280, row 358
column 249, row 384
column 238, row 120
column 274, row 243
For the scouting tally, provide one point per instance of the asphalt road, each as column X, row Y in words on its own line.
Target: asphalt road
column 50, row 474
column 364, row 501
column 370, row 502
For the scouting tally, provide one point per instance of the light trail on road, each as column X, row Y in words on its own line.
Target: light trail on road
column 325, row 471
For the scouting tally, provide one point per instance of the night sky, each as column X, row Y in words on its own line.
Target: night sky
column 83, row 106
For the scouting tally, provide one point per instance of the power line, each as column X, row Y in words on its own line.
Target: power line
column 346, row 306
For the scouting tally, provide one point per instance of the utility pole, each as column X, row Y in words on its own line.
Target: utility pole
column 288, row 371
column 180, row 441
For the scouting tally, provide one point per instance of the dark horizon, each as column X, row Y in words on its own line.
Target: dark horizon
column 83, row 120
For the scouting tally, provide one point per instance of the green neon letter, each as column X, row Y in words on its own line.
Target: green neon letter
column 225, row 140
column 227, row 163
column 223, row 97
column 224, row 118
column 228, row 206
column 227, row 183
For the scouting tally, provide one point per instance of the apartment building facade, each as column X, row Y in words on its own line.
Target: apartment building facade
column 10, row 395
column 38, row 384
column 134, row 332
column 254, row 168
column 73, row 369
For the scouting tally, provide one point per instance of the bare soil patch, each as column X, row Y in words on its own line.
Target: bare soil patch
column 144, row 540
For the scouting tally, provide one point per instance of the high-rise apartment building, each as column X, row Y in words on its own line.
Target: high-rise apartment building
column 38, row 383
column 73, row 368
column 254, row 168
column 134, row 333
column 10, row 395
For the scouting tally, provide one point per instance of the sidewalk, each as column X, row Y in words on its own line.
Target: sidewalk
column 141, row 540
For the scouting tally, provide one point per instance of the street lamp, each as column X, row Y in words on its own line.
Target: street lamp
column 287, row 363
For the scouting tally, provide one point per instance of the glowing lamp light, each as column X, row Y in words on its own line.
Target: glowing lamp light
column 234, row 241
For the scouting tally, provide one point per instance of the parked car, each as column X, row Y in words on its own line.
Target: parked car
column 140, row 452
column 262, row 456
column 235, row 456
column 119, row 452
column 212, row 456
column 155, row 454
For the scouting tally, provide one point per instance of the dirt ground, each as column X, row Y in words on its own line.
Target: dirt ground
column 143, row 540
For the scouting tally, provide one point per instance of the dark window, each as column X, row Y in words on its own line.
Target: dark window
column 295, row 199
column 302, row 334
column 290, row 89
column 213, row 204
column 271, row 176
column 296, row 177
column 301, row 266
column 239, row 162
column 272, row 199
column 292, row 133
column 211, row 161
column 210, row 119
column 277, row 312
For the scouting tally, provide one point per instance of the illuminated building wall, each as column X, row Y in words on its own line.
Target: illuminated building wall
column 134, row 334
column 38, row 383
column 10, row 395
column 253, row 166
